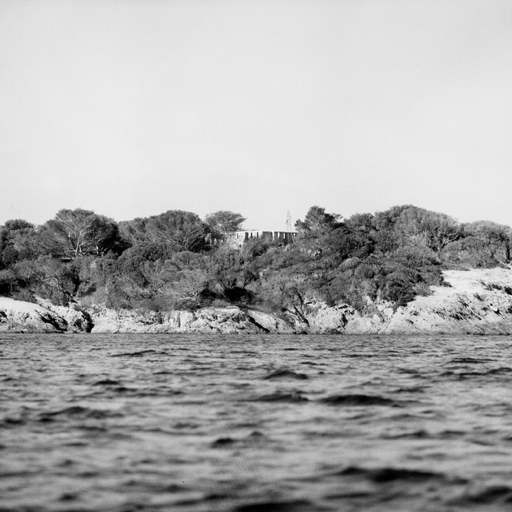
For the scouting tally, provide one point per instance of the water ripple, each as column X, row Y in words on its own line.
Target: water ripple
column 244, row 423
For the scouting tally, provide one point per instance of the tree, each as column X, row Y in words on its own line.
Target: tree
column 180, row 230
column 361, row 222
column 287, row 291
column 342, row 243
column 409, row 225
column 17, row 242
column 317, row 221
column 74, row 233
column 135, row 231
column 496, row 237
column 223, row 223
column 185, row 231
column 439, row 229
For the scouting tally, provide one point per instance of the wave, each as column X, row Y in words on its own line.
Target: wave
column 254, row 437
column 416, row 434
column 499, row 371
column 11, row 422
column 463, row 375
column 409, row 371
column 470, row 360
column 280, row 396
column 501, row 494
column 390, row 474
column 356, row 400
column 285, row 374
column 140, row 353
column 416, row 389
column 77, row 411
column 223, row 441
column 107, row 382
column 277, row 506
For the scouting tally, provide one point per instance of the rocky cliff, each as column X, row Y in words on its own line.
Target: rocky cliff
column 474, row 302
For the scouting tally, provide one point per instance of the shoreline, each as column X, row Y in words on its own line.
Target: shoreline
column 476, row 301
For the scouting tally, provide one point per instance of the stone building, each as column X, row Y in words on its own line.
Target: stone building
column 238, row 238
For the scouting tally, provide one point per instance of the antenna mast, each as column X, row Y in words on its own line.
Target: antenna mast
column 288, row 221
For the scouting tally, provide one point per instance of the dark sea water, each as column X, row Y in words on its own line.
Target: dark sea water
column 255, row 423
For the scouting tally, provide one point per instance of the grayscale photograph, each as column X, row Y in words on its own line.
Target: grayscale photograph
column 255, row 255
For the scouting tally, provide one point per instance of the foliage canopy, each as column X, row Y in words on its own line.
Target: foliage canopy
column 176, row 260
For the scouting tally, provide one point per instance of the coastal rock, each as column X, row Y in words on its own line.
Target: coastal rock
column 76, row 318
column 222, row 320
column 477, row 301
column 208, row 320
column 323, row 319
column 20, row 316
column 273, row 324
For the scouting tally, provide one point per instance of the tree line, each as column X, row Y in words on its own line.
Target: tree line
column 176, row 260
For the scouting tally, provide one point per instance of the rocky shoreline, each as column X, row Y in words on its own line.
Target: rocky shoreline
column 473, row 302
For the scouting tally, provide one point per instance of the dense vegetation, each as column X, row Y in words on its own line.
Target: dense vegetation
column 177, row 260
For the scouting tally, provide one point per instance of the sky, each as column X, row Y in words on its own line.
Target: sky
column 131, row 108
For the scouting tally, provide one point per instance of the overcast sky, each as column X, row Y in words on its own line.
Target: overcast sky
column 134, row 107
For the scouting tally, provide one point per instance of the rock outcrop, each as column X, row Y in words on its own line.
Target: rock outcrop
column 207, row 320
column 19, row 316
column 473, row 302
column 477, row 302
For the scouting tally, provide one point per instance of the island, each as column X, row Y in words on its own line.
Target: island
column 402, row 271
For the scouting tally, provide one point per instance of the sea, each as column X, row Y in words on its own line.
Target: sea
column 255, row 423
